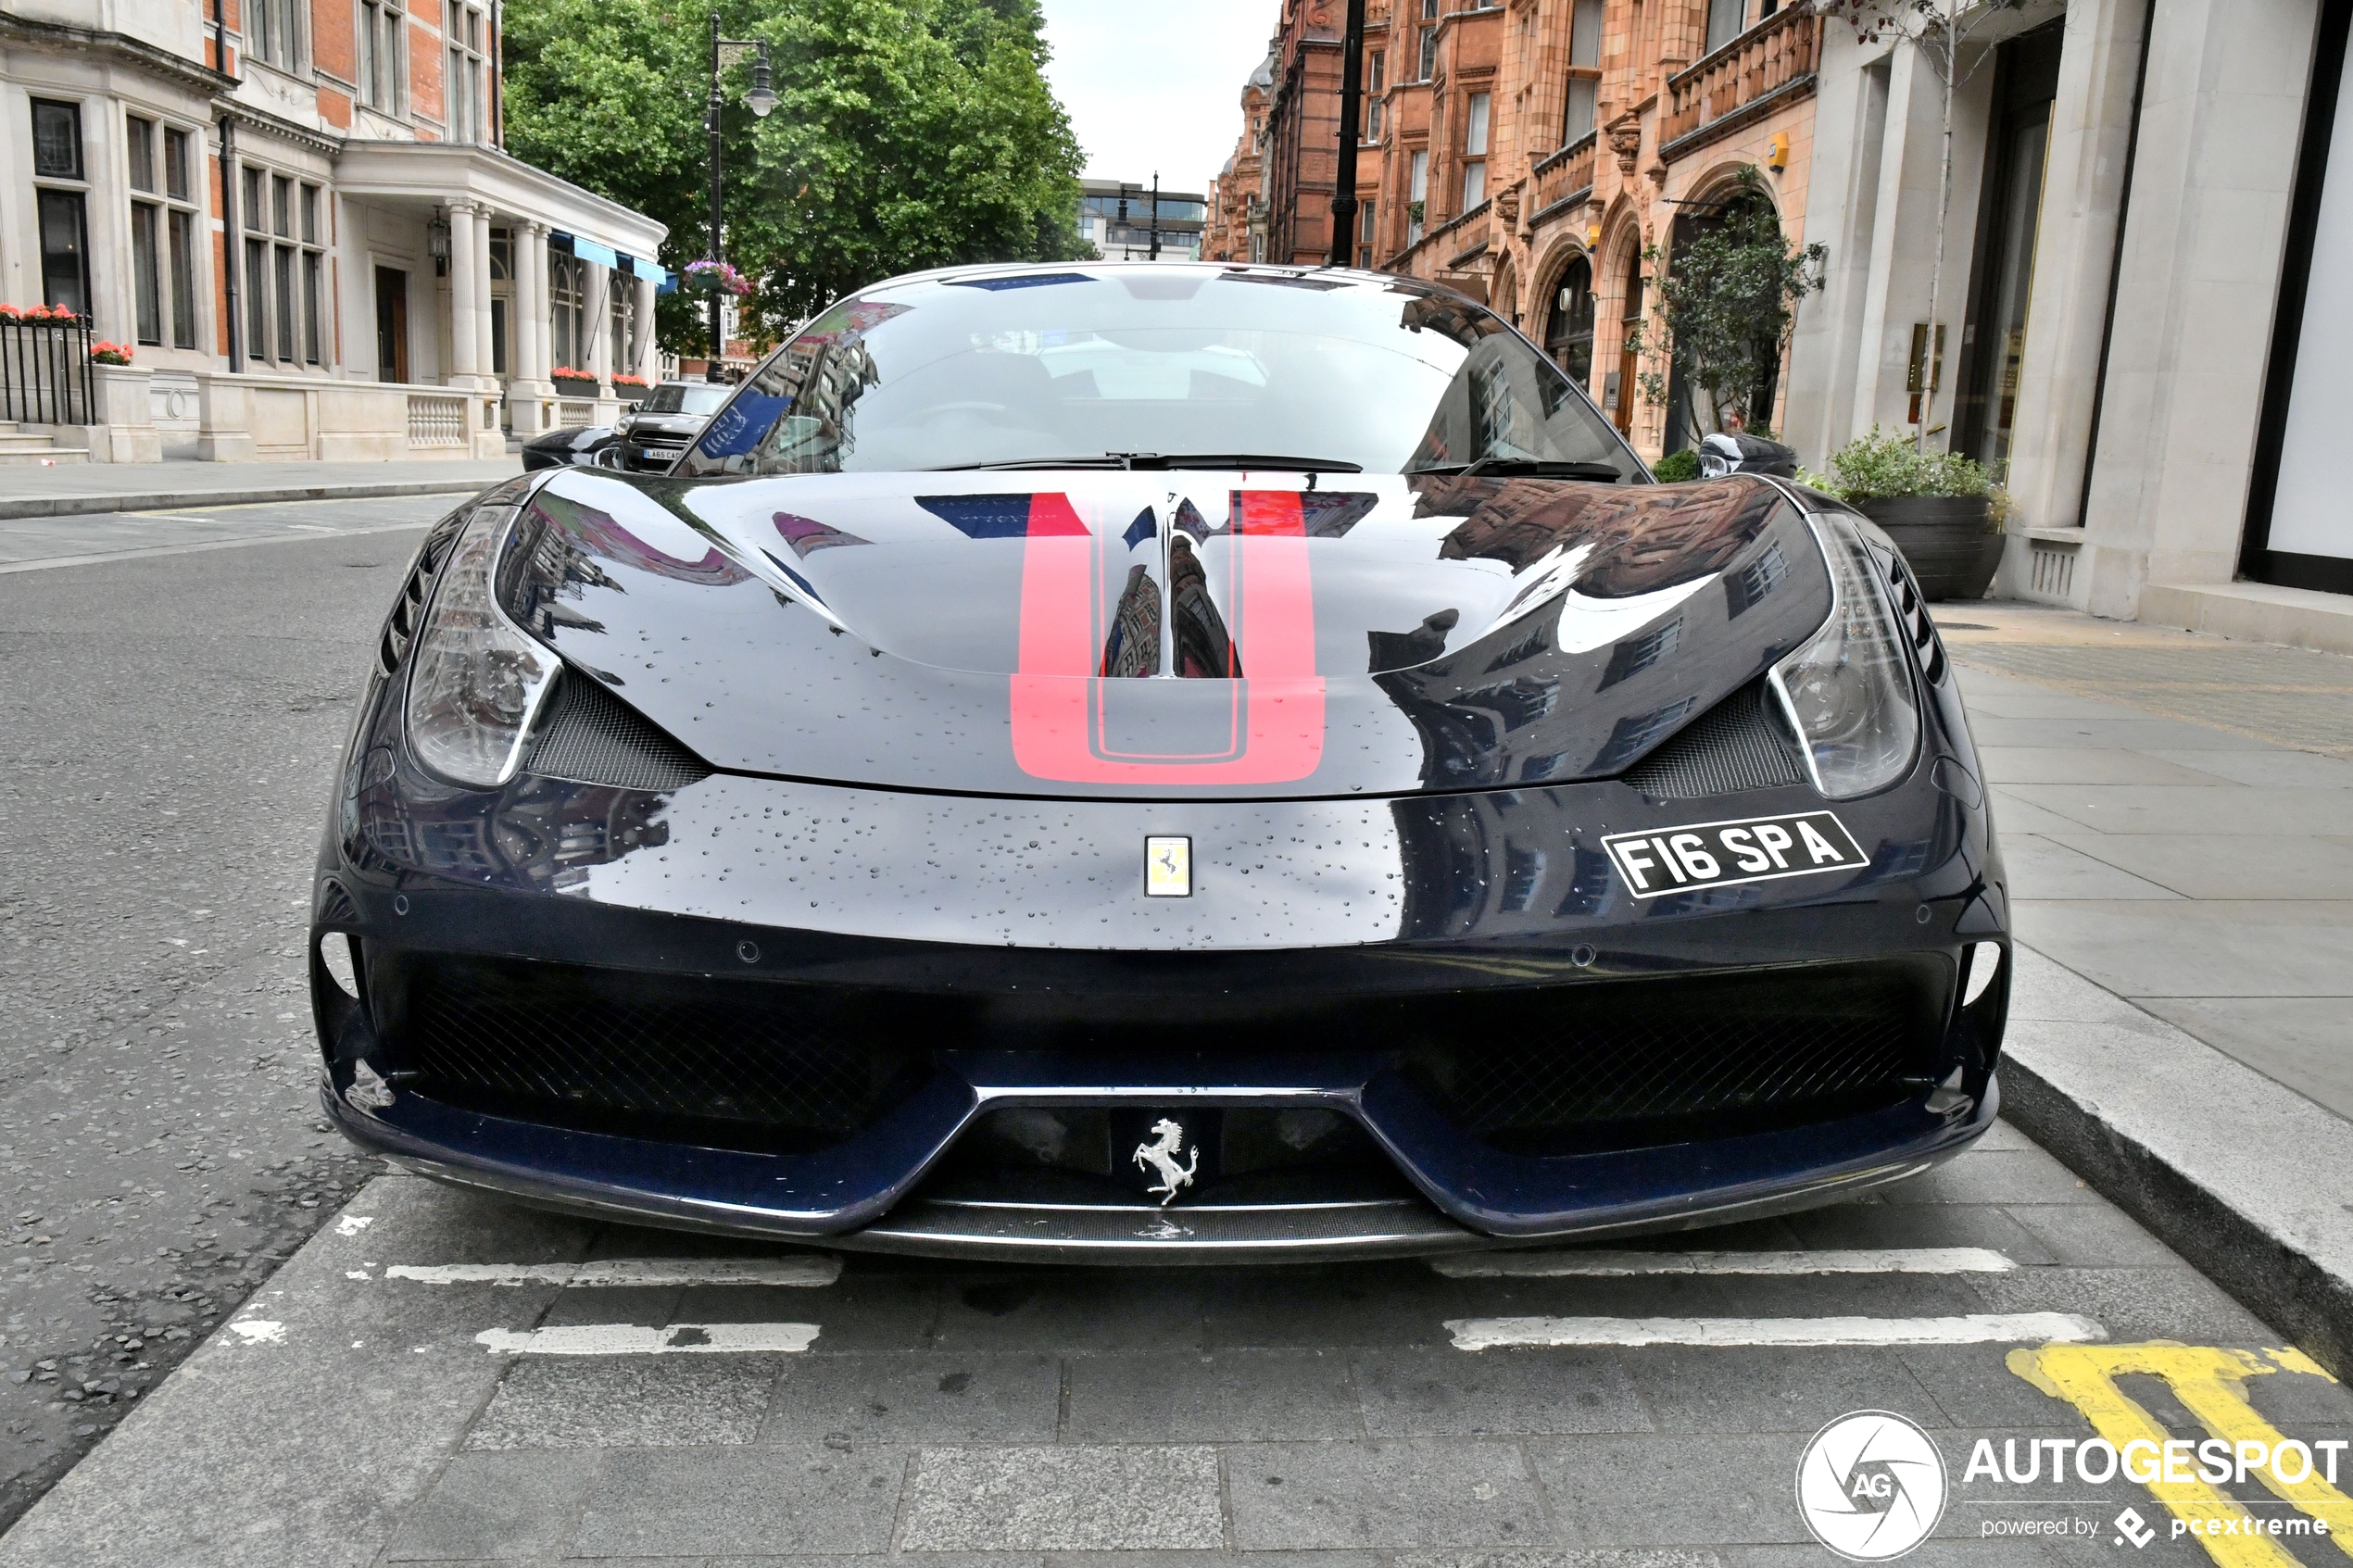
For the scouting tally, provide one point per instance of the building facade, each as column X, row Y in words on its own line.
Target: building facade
column 1123, row 219
column 1535, row 153
column 2141, row 276
column 319, row 251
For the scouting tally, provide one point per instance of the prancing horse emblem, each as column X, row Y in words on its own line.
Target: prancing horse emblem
column 1160, row 1154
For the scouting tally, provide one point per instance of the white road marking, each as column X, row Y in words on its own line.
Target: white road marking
column 633, row 1339
column 1869, row 1260
column 259, row 1331
column 805, row 1270
column 1977, row 1328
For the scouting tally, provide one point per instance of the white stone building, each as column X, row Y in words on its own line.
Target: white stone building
column 2148, row 300
column 324, row 253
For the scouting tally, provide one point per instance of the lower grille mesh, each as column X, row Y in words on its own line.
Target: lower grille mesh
column 762, row 1067
column 744, row 1063
column 1755, row 1050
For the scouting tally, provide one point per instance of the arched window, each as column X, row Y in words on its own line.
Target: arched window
column 1569, row 334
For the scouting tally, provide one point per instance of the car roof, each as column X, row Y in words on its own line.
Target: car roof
column 1262, row 269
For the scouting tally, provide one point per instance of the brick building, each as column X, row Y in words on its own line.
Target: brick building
column 1529, row 152
column 321, row 251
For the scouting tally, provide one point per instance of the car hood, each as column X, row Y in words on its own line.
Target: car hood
column 1139, row 635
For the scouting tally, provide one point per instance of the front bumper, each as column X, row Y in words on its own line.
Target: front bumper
column 991, row 1022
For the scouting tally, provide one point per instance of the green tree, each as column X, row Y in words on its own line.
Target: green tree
column 1725, row 303
column 908, row 134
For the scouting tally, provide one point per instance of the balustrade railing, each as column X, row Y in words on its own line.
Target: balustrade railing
column 1562, row 174
column 45, row 377
column 436, row 419
column 1776, row 52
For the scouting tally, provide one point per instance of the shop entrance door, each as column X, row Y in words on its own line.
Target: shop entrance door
column 2299, row 530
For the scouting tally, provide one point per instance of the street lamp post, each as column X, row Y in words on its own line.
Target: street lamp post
column 1352, row 115
column 762, row 98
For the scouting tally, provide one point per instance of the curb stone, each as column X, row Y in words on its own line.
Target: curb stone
column 2244, row 1177
column 88, row 505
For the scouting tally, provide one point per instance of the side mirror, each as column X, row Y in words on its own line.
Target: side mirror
column 1737, row 452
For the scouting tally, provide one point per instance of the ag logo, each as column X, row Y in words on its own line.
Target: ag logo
column 1871, row 1486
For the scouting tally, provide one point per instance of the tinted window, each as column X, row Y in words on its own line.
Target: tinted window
column 685, row 398
column 1178, row 361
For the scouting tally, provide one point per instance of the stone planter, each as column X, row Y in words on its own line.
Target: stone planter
column 1945, row 540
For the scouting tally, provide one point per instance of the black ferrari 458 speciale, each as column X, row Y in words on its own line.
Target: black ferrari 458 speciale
column 1160, row 761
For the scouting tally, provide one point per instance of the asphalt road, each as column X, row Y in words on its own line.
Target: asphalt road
column 169, row 727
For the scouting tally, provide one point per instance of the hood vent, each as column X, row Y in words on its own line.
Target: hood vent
column 591, row 736
column 1734, row 746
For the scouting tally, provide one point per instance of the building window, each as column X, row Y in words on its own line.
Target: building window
column 1375, row 79
column 1418, row 193
column 285, row 269
column 1430, row 54
column 275, row 33
column 1725, row 19
column 163, row 233
column 179, row 219
column 469, row 117
column 1365, row 231
column 64, row 218
column 384, row 53
column 566, row 278
column 147, row 263
column 57, row 140
column 1584, row 72
column 1475, row 121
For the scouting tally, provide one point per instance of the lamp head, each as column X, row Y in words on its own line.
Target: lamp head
column 762, row 97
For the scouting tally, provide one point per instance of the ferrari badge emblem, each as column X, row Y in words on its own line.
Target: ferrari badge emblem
column 1167, row 1139
column 1168, row 868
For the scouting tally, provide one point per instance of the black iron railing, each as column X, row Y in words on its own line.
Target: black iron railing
column 44, row 372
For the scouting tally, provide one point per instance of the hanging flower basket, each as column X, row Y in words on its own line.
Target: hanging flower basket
column 716, row 277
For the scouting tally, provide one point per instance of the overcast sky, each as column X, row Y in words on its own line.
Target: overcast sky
column 1156, row 84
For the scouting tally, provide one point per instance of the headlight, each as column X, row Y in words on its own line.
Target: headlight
column 1849, row 690
column 476, row 680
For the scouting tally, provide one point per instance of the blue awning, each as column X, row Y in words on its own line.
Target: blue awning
column 639, row 266
column 588, row 250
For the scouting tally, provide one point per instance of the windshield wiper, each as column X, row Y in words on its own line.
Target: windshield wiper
column 1163, row 461
column 1533, row 467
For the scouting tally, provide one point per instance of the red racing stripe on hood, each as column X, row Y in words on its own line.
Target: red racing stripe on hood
column 1276, row 735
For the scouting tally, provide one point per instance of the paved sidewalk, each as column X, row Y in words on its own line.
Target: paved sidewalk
column 2177, row 814
column 84, row 488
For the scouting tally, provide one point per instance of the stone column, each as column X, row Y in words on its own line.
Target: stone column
column 531, row 396
column 465, row 296
column 482, row 293
column 597, row 310
column 647, row 362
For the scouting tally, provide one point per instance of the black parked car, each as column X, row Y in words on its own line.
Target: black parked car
column 1163, row 761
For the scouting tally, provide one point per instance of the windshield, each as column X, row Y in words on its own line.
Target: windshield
column 685, row 398
column 1109, row 365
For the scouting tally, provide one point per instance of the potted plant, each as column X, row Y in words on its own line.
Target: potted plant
column 1943, row 509
column 573, row 384
column 104, row 353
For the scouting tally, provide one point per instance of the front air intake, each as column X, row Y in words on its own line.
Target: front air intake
column 1739, row 743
